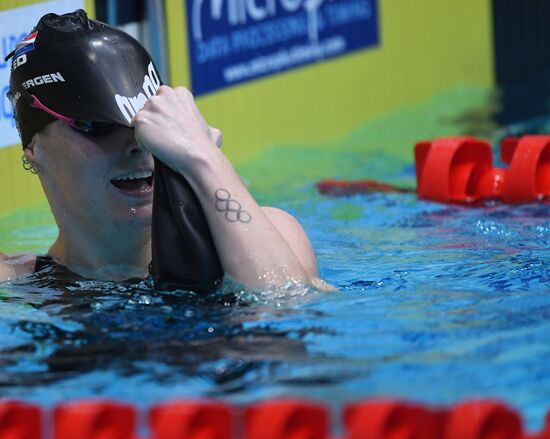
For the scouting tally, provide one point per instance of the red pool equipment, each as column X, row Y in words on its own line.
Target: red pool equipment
column 277, row 419
column 338, row 188
column 456, row 169
column 292, row 419
column 392, row 419
column 483, row 419
column 528, row 176
column 191, row 420
column 94, row 420
column 460, row 170
column 19, row 420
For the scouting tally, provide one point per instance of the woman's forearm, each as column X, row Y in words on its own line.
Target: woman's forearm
column 252, row 250
column 250, row 247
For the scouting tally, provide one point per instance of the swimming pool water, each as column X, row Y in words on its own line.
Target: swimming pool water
column 436, row 303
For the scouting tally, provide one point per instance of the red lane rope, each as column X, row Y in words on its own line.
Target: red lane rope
column 278, row 419
column 343, row 188
column 460, row 170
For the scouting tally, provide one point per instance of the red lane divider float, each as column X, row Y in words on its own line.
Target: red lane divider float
column 294, row 419
column 281, row 419
column 19, row 420
column 94, row 420
column 460, row 170
column 392, row 419
column 192, row 420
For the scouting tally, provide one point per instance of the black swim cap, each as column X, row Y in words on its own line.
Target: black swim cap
column 81, row 69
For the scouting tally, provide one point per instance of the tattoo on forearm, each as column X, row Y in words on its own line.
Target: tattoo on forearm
column 232, row 208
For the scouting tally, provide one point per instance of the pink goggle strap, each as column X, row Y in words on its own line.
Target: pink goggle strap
column 37, row 104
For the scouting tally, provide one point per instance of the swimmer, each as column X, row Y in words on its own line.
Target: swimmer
column 92, row 115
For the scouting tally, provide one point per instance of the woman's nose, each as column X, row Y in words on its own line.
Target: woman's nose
column 131, row 146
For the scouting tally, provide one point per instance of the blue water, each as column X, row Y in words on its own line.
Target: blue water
column 436, row 303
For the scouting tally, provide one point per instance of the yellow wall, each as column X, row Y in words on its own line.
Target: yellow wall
column 426, row 46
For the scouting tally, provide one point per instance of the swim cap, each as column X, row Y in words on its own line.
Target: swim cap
column 80, row 69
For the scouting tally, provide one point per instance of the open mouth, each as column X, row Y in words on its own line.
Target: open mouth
column 136, row 182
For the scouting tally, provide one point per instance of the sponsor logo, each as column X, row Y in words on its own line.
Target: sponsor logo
column 18, row 61
column 241, row 11
column 26, row 45
column 129, row 106
column 43, row 79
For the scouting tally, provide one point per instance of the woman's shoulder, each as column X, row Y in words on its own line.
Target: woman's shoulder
column 15, row 265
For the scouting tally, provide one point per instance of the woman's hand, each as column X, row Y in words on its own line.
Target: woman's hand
column 171, row 128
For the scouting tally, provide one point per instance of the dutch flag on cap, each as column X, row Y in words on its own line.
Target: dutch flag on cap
column 26, row 45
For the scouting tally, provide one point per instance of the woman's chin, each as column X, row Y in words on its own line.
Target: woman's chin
column 138, row 216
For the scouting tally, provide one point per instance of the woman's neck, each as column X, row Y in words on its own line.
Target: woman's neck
column 113, row 257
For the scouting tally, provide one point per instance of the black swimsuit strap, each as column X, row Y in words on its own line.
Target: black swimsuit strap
column 46, row 268
column 45, row 265
column 43, row 262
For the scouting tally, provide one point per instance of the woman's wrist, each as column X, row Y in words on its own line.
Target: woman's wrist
column 204, row 167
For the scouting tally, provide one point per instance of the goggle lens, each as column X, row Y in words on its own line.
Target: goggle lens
column 89, row 128
column 93, row 128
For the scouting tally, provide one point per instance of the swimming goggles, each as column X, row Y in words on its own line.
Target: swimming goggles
column 87, row 127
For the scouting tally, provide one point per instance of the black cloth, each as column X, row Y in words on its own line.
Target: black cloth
column 183, row 250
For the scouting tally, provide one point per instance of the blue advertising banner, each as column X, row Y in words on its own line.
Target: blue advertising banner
column 233, row 41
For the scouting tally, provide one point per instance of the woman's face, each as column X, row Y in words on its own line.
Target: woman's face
column 97, row 181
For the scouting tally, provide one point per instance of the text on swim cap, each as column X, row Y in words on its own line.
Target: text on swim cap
column 15, row 98
column 18, row 61
column 129, row 106
column 43, row 79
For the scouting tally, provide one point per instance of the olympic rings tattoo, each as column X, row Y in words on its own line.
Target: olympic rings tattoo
column 232, row 208
column 27, row 165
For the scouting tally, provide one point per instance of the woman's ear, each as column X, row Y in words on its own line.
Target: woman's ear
column 30, row 161
column 29, row 154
